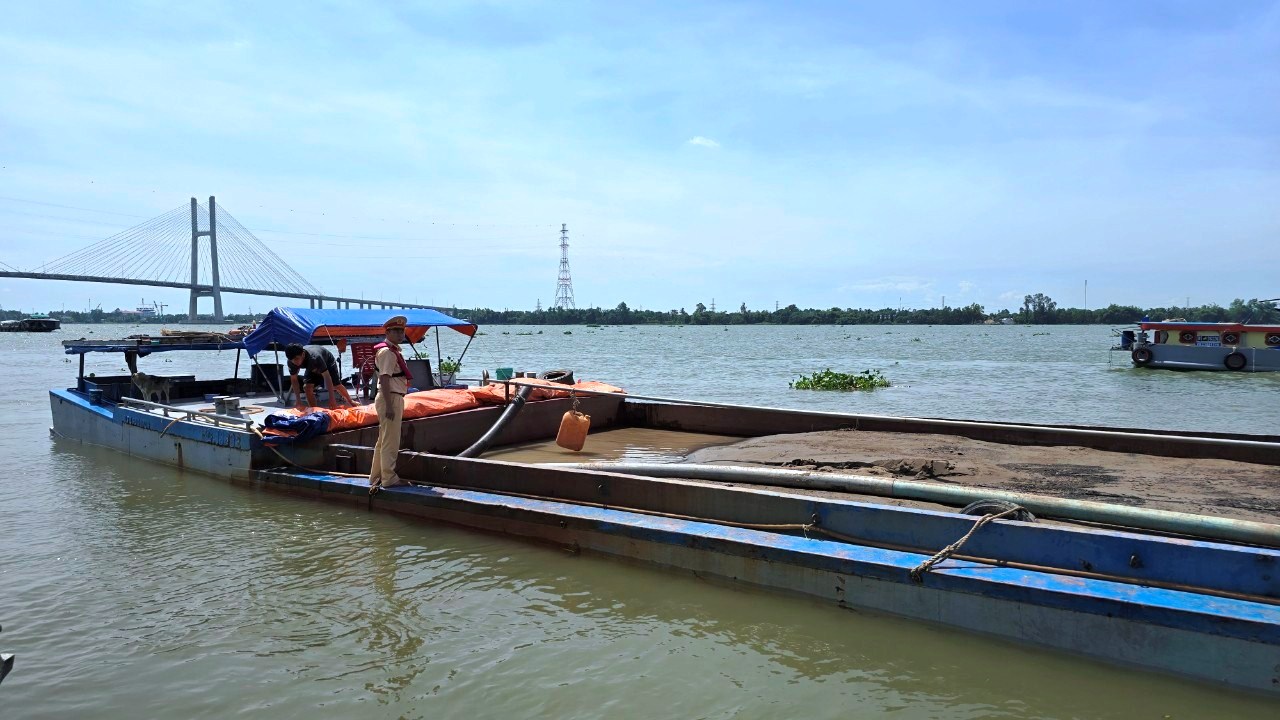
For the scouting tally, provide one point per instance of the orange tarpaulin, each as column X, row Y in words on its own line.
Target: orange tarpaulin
column 429, row 403
column 497, row 393
column 416, row 405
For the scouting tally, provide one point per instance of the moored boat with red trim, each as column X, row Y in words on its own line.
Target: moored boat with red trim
column 1183, row 345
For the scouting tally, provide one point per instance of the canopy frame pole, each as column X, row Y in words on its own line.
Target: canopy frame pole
column 274, row 389
column 439, row 359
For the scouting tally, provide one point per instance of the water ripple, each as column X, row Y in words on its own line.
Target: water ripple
column 134, row 590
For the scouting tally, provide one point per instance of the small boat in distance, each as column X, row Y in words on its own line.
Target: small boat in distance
column 39, row 322
column 1179, row 345
column 1183, row 345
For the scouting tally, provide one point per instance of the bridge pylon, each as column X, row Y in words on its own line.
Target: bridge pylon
column 215, row 290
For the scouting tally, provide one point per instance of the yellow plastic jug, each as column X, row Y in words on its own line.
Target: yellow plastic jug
column 573, row 430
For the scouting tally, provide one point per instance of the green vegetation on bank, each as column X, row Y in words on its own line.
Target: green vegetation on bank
column 1037, row 309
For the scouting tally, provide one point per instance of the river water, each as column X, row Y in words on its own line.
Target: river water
column 134, row 590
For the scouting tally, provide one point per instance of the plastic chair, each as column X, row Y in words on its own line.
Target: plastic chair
column 362, row 360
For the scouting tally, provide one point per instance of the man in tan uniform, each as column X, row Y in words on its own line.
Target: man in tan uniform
column 393, row 382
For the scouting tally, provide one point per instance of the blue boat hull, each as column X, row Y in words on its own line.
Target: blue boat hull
column 211, row 449
column 1213, row 618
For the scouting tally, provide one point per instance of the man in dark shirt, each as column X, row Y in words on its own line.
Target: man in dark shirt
column 320, row 366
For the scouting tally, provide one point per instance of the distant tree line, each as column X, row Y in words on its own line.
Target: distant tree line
column 1038, row 309
column 98, row 315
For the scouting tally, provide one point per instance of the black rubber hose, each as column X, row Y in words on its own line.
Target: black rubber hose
column 506, row 417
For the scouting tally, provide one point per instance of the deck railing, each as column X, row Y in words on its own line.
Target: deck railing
column 185, row 414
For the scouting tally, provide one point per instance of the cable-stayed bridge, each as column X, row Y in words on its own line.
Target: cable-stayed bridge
column 201, row 248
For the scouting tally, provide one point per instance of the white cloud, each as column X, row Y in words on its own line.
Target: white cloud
column 890, row 284
column 703, row 142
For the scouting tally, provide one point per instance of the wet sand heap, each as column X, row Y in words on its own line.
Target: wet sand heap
column 1223, row 488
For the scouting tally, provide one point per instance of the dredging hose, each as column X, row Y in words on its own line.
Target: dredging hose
column 1200, row 526
column 506, row 417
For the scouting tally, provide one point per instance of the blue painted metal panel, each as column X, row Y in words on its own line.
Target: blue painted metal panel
column 1243, row 619
column 1234, row 642
column 217, row 451
column 145, row 347
column 1140, row 558
column 200, row 432
column 1231, row 568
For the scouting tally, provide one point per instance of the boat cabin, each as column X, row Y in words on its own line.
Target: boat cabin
column 1182, row 345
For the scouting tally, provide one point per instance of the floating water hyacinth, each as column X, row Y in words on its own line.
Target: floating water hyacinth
column 830, row 380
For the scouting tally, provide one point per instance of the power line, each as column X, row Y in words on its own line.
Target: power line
column 369, row 237
column 85, row 221
column 70, row 207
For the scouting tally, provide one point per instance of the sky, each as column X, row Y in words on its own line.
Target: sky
column 826, row 154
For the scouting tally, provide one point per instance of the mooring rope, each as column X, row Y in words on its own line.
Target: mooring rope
column 917, row 573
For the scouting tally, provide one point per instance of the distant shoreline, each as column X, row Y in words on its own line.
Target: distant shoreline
column 1037, row 310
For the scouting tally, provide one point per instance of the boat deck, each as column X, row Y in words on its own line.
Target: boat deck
column 254, row 408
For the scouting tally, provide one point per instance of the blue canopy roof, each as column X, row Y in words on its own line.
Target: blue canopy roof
column 313, row 325
column 145, row 345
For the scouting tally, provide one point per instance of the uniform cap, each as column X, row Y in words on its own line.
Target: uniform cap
column 398, row 321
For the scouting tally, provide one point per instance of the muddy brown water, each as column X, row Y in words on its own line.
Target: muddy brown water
column 133, row 590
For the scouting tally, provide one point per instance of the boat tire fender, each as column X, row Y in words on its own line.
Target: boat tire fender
column 1186, row 337
column 564, row 377
column 1141, row 357
column 1235, row 361
column 995, row 507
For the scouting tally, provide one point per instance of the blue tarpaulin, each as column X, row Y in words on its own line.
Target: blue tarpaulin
column 306, row 426
column 312, row 325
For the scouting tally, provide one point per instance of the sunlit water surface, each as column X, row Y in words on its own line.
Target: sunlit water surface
column 133, row 590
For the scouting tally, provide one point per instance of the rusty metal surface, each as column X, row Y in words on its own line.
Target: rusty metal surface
column 454, row 432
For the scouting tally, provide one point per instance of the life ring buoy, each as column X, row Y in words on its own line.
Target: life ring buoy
column 1186, row 337
column 1230, row 338
column 1141, row 357
column 1273, row 339
column 1235, row 361
column 1162, row 337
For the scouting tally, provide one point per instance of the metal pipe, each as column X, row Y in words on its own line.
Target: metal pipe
column 1203, row 526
